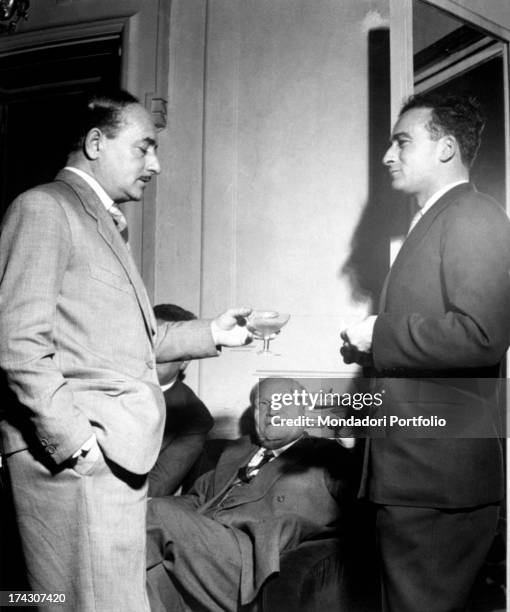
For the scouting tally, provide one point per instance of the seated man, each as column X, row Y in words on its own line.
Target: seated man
column 187, row 419
column 214, row 548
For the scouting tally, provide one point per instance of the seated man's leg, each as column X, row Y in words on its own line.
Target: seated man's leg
column 430, row 557
column 83, row 532
column 200, row 555
column 162, row 592
column 174, row 463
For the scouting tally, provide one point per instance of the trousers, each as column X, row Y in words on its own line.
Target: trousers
column 82, row 529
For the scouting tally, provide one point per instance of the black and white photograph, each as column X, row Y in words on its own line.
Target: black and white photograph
column 254, row 305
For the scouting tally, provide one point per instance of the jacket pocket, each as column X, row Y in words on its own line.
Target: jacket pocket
column 112, row 279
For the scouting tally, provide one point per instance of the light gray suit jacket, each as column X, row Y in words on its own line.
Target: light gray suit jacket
column 78, row 338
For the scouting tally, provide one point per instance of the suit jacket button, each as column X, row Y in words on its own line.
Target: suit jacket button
column 44, row 442
column 280, row 498
column 51, row 449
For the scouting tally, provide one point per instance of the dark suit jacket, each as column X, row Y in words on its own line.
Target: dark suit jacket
column 293, row 498
column 444, row 313
column 78, row 338
column 185, row 413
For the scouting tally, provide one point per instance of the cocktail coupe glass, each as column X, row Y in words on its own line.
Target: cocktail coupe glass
column 265, row 324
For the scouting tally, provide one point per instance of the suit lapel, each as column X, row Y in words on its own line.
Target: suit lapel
column 384, row 291
column 230, row 462
column 226, row 471
column 276, row 469
column 418, row 232
column 109, row 233
column 272, row 471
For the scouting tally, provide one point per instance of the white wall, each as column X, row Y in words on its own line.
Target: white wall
column 265, row 213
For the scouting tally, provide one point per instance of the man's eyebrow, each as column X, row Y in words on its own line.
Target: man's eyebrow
column 399, row 135
column 150, row 141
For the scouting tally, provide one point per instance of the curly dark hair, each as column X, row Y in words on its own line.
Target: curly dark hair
column 101, row 110
column 458, row 116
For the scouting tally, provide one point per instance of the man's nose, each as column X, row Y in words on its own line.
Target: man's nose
column 389, row 156
column 153, row 164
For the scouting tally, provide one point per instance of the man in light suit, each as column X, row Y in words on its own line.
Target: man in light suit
column 214, row 548
column 78, row 346
column 441, row 334
column 187, row 419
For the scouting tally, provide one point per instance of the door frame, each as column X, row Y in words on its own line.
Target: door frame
column 401, row 57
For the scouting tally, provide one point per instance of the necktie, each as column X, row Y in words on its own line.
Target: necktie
column 120, row 221
column 248, row 472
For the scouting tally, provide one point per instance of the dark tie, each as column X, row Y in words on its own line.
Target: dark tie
column 247, row 473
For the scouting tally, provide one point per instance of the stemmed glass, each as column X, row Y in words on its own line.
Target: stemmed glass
column 265, row 324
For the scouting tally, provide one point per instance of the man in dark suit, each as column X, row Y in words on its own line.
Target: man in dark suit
column 441, row 334
column 214, row 548
column 187, row 419
column 78, row 346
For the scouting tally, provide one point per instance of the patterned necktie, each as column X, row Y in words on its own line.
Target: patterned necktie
column 120, row 221
column 248, row 472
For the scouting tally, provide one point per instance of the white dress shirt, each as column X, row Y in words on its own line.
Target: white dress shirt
column 94, row 185
column 431, row 201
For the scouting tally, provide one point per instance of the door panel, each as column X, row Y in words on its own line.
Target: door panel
column 40, row 92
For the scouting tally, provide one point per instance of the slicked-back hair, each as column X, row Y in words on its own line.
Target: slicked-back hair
column 172, row 312
column 457, row 116
column 102, row 110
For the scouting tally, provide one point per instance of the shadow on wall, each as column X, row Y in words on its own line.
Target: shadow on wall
column 385, row 213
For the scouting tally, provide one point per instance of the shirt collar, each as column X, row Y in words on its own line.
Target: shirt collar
column 94, row 185
column 168, row 385
column 435, row 197
column 276, row 451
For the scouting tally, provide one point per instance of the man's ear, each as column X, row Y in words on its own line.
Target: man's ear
column 92, row 144
column 448, row 148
